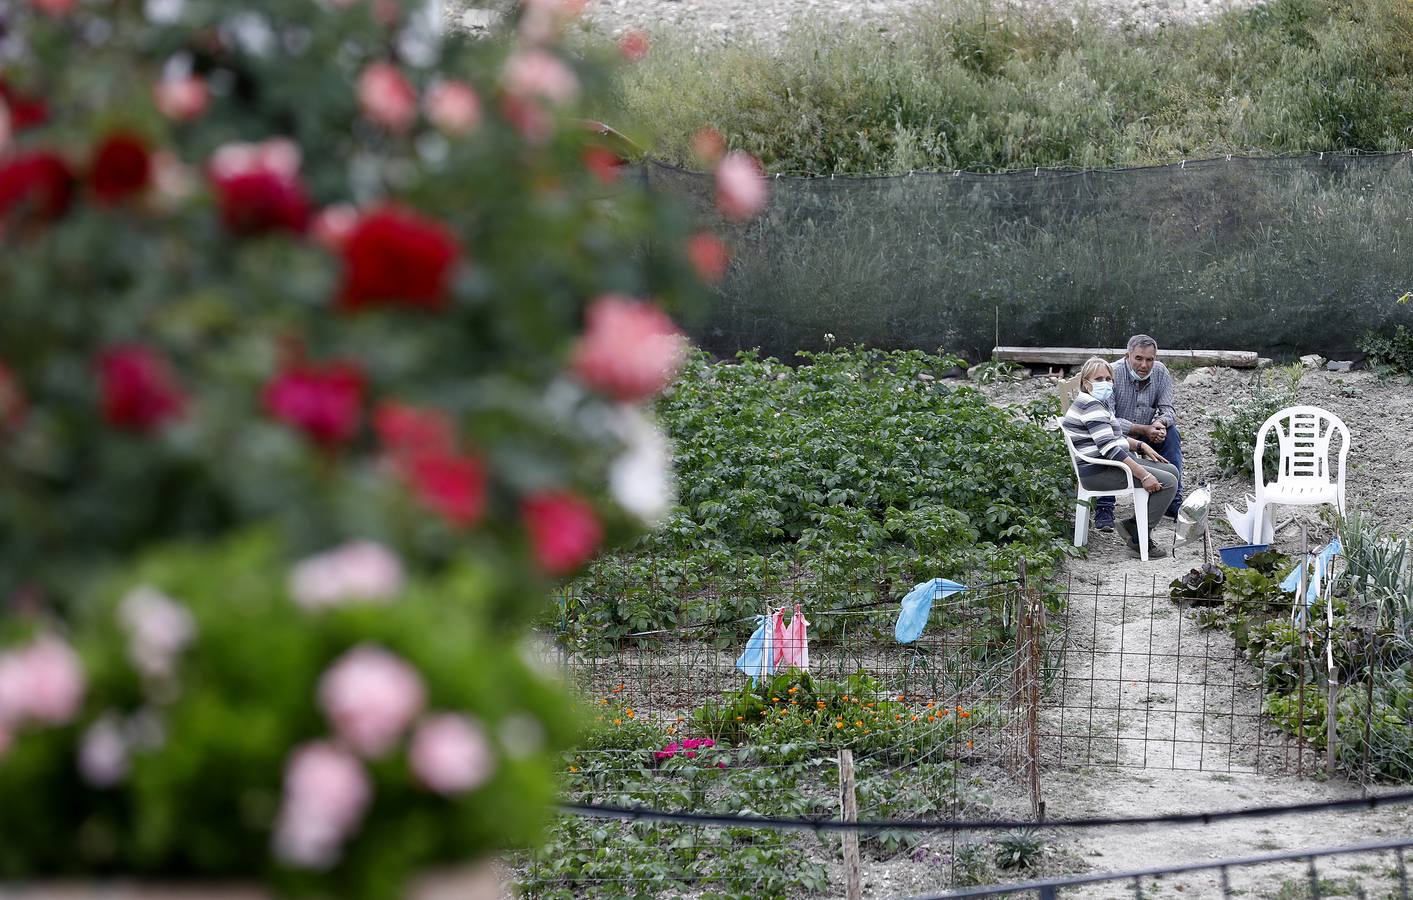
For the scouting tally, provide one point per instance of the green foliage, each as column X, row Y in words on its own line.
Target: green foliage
column 979, row 87
column 1199, row 585
column 1024, row 850
column 995, row 370
column 850, row 470
column 795, row 708
column 1392, row 353
column 1234, row 435
column 204, row 788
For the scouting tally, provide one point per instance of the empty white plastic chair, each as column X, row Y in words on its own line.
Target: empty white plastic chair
column 1081, row 503
column 1303, row 475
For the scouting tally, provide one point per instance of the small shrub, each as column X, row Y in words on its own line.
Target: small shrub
column 1234, row 435
column 1392, row 353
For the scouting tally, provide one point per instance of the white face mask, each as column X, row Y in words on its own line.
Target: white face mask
column 1102, row 391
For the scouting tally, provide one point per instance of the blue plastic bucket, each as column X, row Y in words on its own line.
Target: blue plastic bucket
column 1235, row 557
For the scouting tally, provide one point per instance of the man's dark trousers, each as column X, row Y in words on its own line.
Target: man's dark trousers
column 1171, row 450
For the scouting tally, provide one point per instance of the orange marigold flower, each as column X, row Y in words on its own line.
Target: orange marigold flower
column 964, row 714
column 794, row 689
column 838, row 724
column 740, row 718
column 914, row 718
column 968, row 745
column 774, row 699
column 619, row 688
column 901, row 698
column 819, row 703
column 858, row 723
column 930, row 704
column 618, row 721
column 897, row 715
column 573, row 768
column 628, row 712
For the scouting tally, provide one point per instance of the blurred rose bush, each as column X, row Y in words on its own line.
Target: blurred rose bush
column 322, row 348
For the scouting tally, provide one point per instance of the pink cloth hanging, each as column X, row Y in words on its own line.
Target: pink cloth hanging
column 792, row 645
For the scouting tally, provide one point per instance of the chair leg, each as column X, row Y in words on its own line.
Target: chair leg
column 1140, row 514
column 1081, row 523
column 1258, row 523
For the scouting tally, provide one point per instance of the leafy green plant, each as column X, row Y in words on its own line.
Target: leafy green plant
column 1392, row 353
column 1202, row 585
column 993, row 371
column 1024, row 849
column 1234, row 435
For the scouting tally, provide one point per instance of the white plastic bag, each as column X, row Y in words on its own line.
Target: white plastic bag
column 1192, row 516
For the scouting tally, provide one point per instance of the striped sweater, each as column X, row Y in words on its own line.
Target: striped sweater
column 1090, row 426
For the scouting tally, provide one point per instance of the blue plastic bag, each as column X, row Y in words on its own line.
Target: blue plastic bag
column 1322, row 561
column 917, row 605
column 758, row 659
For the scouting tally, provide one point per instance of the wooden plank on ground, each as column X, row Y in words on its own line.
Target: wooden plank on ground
column 1073, row 356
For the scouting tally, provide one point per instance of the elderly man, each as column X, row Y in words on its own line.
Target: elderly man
column 1143, row 409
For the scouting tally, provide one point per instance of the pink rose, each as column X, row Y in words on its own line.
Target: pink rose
column 358, row 570
column 630, row 349
column 741, row 188
column 42, row 682
column 139, row 392
column 633, row 44
column 324, row 401
column 333, row 225
column 103, row 753
column 370, row 697
column 55, row 8
column 182, row 98
column 387, row 97
column 326, row 792
column 708, row 256
column 450, row 754
column 279, row 156
column 564, row 531
column 452, row 106
column 159, row 629
column 540, row 75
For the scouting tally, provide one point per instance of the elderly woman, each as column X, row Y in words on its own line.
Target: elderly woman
column 1089, row 423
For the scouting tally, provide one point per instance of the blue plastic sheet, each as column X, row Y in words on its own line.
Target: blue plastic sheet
column 917, row 605
column 1291, row 584
column 758, row 659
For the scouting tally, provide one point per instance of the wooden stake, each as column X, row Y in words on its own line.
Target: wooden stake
column 849, row 812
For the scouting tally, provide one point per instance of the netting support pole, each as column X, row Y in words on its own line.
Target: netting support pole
column 1031, row 650
column 849, row 812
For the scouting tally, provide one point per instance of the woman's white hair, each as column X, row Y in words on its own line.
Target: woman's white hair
column 1093, row 366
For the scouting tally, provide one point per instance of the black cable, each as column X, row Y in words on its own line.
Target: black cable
column 800, row 823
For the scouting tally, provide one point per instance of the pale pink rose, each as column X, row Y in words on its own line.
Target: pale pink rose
column 358, row 570
column 55, row 8
column 452, row 106
column 741, row 188
column 103, row 753
column 370, row 697
column 326, row 792
column 42, row 682
column 333, row 225
column 159, row 629
column 540, row 75
column 630, row 349
column 450, row 754
column 387, row 97
column 182, row 98
column 171, row 177
column 279, row 156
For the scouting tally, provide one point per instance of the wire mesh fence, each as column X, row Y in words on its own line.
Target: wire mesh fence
column 1007, row 682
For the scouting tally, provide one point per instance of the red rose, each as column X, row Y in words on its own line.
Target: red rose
column 121, row 168
column 633, row 44
column 630, row 350
column 708, row 256
column 396, row 257
column 407, row 432
column 262, row 200
column 25, row 112
column 139, row 390
column 325, row 402
column 454, row 485
column 563, row 530
column 603, row 164
column 40, row 183
column 12, row 399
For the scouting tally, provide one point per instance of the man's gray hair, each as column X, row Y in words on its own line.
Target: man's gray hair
column 1141, row 340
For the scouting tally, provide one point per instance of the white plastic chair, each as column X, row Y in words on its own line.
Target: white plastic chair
column 1081, row 504
column 1303, row 476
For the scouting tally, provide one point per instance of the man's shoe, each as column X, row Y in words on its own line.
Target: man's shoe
column 1154, row 551
column 1129, row 527
column 1104, row 522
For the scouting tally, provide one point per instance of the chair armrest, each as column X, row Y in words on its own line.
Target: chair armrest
column 1104, row 461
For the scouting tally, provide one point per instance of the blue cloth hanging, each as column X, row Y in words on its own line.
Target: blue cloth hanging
column 758, row 659
column 1291, row 584
column 917, row 605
